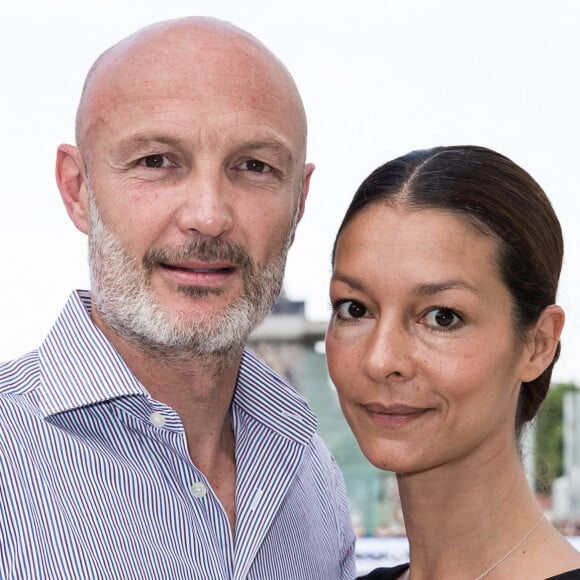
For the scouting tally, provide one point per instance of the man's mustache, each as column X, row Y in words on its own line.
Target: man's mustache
column 201, row 249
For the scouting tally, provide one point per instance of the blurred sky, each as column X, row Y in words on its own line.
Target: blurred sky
column 378, row 78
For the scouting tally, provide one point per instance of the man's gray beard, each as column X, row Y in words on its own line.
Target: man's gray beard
column 121, row 294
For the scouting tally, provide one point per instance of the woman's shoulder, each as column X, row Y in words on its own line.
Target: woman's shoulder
column 570, row 575
column 385, row 573
column 395, row 573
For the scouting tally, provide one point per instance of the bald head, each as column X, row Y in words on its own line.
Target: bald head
column 188, row 55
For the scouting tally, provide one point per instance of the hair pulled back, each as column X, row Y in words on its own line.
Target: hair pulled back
column 500, row 200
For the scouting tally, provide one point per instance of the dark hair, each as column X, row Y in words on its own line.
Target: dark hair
column 501, row 200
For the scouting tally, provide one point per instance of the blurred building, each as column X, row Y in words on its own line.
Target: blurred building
column 566, row 489
column 294, row 347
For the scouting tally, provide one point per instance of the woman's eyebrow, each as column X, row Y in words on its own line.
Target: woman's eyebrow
column 354, row 283
column 435, row 287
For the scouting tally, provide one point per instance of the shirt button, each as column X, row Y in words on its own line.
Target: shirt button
column 198, row 489
column 157, row 419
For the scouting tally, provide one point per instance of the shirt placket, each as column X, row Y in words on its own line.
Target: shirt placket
column 212, row 526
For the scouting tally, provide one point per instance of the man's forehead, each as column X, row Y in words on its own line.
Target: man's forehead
column 213, row 69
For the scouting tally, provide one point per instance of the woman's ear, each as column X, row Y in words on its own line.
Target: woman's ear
column 71, row 181
column 543, row 342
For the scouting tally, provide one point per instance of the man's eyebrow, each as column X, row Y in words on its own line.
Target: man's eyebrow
column 436, row 287
column 142, row 140
column 279, row 147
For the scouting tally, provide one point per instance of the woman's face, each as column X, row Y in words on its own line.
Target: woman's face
column 421, row 345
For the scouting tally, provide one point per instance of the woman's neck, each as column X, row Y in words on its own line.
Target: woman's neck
column 460, row 516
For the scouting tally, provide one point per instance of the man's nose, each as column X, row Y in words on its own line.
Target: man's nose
column 206, row 203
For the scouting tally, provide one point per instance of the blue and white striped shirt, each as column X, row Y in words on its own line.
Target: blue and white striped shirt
column 97, row 481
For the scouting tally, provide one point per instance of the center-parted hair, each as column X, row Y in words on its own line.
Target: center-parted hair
column 499, row 199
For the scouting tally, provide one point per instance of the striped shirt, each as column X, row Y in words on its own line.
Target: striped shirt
column 97, row 481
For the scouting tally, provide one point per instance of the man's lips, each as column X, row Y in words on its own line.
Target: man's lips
column 199, row 274
column 201, row 268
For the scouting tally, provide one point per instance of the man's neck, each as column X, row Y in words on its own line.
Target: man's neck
column 200, row 389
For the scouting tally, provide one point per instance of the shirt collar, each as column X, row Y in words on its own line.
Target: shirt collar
column 264, row 396
column 78, row 365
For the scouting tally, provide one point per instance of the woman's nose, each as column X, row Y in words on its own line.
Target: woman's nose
column 389, row 353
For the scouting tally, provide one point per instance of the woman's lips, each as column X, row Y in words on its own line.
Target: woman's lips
column 392, row 416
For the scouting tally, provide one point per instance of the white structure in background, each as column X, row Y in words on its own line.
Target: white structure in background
column 528, row 452
column 566, row 489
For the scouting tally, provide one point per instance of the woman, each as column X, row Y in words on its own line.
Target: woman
column 441, row 346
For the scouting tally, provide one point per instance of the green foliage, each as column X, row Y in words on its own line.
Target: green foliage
column 549, row 438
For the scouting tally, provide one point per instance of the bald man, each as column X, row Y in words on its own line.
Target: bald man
column 141, row 440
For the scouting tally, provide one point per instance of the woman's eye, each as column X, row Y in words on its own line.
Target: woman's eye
column 350, row 309
column 442, row 318
column 154, row 161
column 255, row 166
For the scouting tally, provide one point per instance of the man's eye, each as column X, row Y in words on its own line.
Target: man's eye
column 154, row 161
column 443, row 318
column 256, row 166
column 350, row 309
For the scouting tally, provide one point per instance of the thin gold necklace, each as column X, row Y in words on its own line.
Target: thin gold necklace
column 510, row 552
column 407, row 575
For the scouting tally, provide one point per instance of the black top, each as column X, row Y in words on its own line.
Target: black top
column 394, row 573
column 385, row 573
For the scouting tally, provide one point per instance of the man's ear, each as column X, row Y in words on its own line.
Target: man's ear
column 71, row 181
column 308, row 169
column 543, row 341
